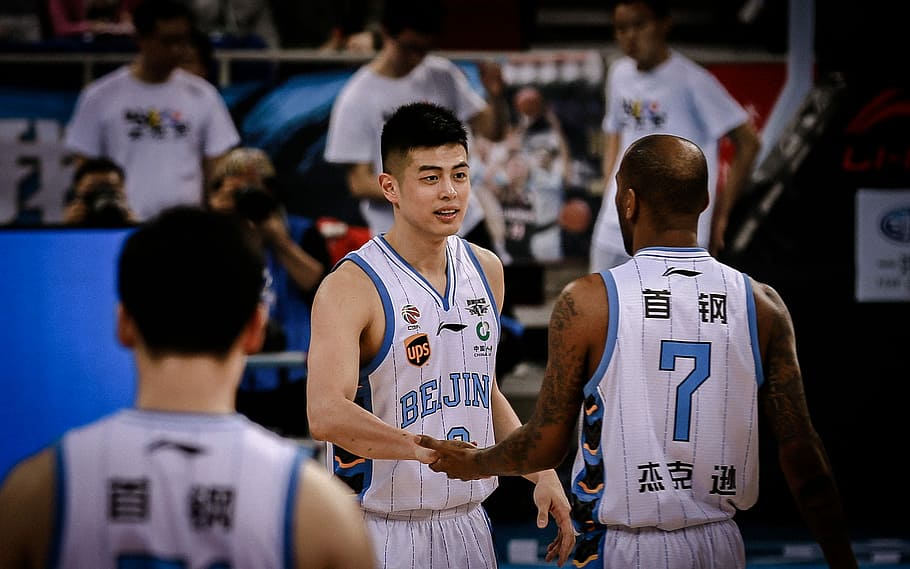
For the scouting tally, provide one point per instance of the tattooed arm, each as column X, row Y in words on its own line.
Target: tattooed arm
column 801, row 453
column 576, row 336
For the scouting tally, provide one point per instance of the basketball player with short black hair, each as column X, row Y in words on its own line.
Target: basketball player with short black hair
column 405, row 331
column 182, row 479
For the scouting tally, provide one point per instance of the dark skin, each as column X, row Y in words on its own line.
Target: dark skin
column 576, row 337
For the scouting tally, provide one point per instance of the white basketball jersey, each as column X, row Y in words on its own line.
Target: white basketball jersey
column 669, row 434
column 433, row 375
column 182, row 490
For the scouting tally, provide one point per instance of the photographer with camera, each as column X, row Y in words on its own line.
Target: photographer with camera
column 297, row 257
column 96, row 197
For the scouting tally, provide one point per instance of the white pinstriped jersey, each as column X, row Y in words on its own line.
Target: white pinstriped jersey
column 669, row 424
column 432, row 375
column 180, row 490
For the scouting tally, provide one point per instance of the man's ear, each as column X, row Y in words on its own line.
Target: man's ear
column 632, row 205
column 628, row 204
column 254, row 334
column 389, row 186
column 126, row 328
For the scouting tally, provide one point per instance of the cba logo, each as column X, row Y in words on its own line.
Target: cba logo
column 410, row 313
column 417, row 349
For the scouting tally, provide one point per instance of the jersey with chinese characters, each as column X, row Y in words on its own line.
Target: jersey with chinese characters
column 433, row 375
column 181, row 490
column 669, row 435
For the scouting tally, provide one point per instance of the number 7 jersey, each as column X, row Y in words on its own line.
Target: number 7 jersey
column 669, row 435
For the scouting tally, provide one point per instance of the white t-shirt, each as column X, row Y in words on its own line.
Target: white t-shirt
column 677, row 97
column 158, row 133
column 369, row 99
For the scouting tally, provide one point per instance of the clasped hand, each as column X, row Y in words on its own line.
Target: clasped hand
column 457, row 459
column 460, row 459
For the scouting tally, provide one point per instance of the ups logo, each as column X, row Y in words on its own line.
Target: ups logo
column 417, row 349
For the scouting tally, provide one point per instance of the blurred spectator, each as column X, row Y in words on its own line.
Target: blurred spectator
column 404, row 72
column 166, row 127
column 296, row 254
column 199, row 58
column 329, row 25
column 249, row 21
column 96, row 197
column 355, row 27
column 20, row 21
column 90, row 19
column 654, row 89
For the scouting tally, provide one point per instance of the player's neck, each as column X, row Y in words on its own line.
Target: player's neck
column 146, row 74
column 667, row 238
column 386, row 65
column 661, row 55
column 426, row 255
column 188, row 384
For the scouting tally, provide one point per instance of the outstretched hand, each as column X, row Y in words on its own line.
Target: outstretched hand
column 550, row 499
column 458, row 459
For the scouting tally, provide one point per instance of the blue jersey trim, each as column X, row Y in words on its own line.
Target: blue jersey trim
column 290, row 505
column 753, row 329
column 612, row 328
column 386, row 310
column 442, row 300
column 486, row 283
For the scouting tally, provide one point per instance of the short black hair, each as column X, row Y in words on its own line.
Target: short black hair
column 420, row 125
column 148, row 13
column 191, row 279
column 423, row 16
column 100, row 164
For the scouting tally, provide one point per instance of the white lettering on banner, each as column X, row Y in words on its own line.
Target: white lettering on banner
column 34, row 170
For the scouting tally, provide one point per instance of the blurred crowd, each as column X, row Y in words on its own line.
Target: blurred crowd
column 336, row 25
column 157, row 132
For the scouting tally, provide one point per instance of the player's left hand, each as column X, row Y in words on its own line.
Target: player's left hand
column 550, row 499
column 458, row 459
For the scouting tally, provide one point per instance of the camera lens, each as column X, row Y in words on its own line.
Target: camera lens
column 104, row 207
column 254, row 203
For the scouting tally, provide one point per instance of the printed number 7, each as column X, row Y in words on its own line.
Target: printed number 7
column 700, row 352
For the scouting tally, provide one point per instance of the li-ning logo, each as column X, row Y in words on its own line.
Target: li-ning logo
column 683, row 272
column 185, row 448
column 417, row 349
column 452, row 327
column 410, row 314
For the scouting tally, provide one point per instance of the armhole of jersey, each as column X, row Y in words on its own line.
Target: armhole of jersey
column 753, row 329
column 386, row 310
column 290, row 505
column 612, row 324
column 486, row 283
column 59, row 516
